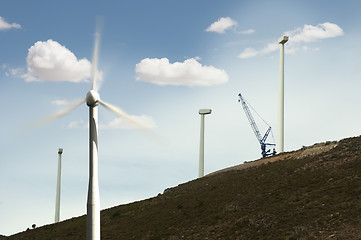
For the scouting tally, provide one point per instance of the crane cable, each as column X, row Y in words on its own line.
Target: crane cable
column 259, row 116
column 256, row 112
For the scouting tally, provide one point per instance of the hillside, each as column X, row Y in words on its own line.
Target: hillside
column 312, row 193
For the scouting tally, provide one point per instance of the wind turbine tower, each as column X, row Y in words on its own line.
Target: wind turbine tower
column 93, row 204
column 281, row 103
column 202, row 112
column 58, row 186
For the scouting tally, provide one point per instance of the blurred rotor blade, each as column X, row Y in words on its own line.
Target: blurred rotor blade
column 121, row 113
column 56, row 115
column 133, row 121
column 94, row 67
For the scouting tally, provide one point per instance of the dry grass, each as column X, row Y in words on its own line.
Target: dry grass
column 313, row 193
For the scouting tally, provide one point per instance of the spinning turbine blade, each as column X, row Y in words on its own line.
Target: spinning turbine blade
column 122, row 114
column 155, row 137
column 56, row 115
column 94, row 67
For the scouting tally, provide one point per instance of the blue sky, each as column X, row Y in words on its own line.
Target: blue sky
column 161, row 61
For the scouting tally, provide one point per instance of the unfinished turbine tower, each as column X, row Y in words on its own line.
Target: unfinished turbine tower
column 58, row 187
column 281, row 103
column 92, row 100
column 202, row 112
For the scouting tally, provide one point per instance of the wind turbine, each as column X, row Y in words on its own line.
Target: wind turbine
column 58, row 186
column 281, row 105
column 202, row 112
column 92, row 99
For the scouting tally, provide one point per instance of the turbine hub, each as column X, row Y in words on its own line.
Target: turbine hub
column 92, row 98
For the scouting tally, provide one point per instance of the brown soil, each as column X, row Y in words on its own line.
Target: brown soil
column 312, row 193
column 313, row 150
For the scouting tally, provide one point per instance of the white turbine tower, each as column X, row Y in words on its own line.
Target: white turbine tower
column 92, row 99
column 58, row 186
column 202, row 112
column 281, row 104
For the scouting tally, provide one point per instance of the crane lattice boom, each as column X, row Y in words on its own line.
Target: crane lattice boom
column 261, row 140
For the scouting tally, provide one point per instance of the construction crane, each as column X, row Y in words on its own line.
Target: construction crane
column 262, row 140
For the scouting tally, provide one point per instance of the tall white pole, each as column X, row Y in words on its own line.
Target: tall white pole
column 280, row 142
column 93, row 205
column 201, row 149
column 202, row 112
column 58, row 186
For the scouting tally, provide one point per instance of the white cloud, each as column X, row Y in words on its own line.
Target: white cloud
column 251, row 52
column 121, row 123
column 66, row 102
column 50, row 61
column 221, row 25
column 311, row 33
column 61, row 102
column 188, row 73
column 77, row 124
column 4, row 25
column 297, row 37
column 270, row 47
column 16, row 72
column 248, row 32
column 248, row 53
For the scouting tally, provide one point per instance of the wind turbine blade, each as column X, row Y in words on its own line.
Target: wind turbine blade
column 121, row 113
column 135, row 123
column 56, row 115
column 94, row 67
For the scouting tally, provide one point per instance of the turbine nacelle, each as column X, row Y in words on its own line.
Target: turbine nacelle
column 92, row 98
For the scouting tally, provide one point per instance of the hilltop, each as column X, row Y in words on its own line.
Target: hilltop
column 311, row 193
